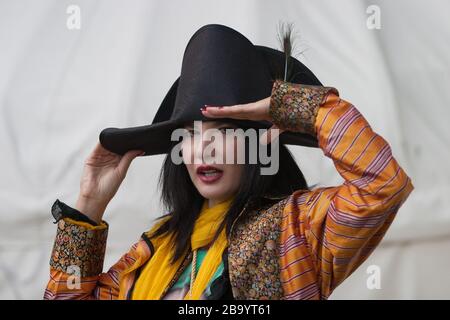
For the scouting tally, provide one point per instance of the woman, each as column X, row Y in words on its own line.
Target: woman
column 231, row 232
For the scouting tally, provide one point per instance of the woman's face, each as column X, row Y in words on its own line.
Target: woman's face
column 215, row 180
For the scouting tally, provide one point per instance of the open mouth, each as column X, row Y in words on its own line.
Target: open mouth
column 209, row 174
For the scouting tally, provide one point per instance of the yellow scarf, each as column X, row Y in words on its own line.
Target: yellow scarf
column 158, row 272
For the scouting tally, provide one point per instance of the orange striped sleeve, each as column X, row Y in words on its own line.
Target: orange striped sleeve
column 328, row 232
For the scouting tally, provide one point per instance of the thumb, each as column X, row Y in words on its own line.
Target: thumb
column 126, row 159
column 270, row 135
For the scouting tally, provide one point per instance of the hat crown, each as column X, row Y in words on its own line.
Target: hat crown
column 220, row 67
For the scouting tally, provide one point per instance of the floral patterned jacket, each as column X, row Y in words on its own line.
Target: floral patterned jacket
column 302, row 246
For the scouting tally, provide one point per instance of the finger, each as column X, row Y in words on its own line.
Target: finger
column 126, row 159
column 235, row 112
column 99, row 150
column 270, row 135
column 249, row 111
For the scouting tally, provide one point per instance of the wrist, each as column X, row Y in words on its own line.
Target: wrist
column 93, row 209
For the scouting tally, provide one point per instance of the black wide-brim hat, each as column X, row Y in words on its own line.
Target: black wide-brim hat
column 220, row 67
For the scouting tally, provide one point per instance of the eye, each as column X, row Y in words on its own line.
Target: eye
column 193, row 132
column 223, row 129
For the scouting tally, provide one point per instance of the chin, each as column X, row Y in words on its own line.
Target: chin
column 211, row 192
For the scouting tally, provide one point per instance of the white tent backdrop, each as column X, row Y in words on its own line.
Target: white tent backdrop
column 60, row 87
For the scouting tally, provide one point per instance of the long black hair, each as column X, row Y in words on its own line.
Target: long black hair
column 183, row 201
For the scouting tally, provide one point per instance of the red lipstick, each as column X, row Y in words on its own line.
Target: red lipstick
column 209, row 174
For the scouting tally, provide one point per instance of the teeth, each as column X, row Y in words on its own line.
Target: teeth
column 209, row 174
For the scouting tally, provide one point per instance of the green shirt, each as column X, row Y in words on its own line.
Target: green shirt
column 181, row 287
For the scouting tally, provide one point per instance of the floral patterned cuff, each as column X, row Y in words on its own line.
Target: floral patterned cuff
column 78, row 248
column 294, row 106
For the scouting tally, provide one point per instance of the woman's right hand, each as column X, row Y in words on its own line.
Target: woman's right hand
column 103, row 173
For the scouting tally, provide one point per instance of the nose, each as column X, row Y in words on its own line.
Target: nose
column 201, row 143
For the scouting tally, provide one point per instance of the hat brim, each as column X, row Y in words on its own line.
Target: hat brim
column 156, row 138
column 153, row 138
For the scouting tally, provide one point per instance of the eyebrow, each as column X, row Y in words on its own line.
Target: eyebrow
column 229, row 124
column 222, row 124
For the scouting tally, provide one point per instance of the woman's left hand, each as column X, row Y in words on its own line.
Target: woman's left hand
column 256, row 111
